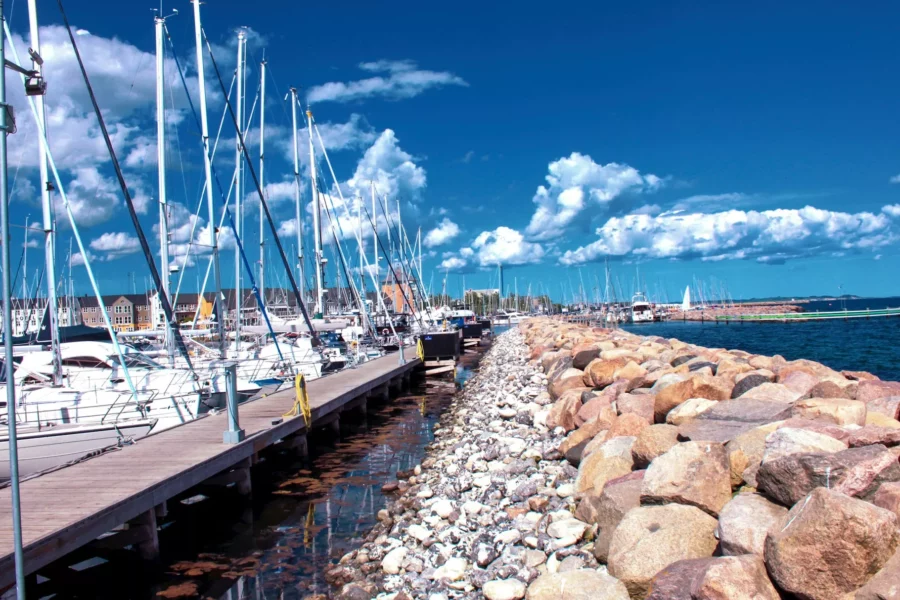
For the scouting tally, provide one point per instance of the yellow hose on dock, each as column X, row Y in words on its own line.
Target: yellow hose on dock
column 420, row 350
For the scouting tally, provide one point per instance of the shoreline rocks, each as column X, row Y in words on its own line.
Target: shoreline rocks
column 587, row 463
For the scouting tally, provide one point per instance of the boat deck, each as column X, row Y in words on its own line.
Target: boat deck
column 68, row 508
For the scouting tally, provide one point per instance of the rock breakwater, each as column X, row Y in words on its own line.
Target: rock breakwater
column 587, row 463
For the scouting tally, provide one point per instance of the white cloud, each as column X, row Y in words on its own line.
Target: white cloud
column 895, row 179
column 399, row 79
column 505, row 246
column 394, row 171
column 706, row 201
column 115, row 245
column 771, row 236
column 576, row 181
column 892, row 210
column 445, row 231
column 453, row 263
column 78, row 259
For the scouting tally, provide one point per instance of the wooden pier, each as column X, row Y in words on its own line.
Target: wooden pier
column 67, row 509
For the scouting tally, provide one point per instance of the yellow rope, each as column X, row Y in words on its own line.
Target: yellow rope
column 420, row 350
column 301, row 401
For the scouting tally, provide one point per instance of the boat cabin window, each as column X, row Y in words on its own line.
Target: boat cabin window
column 88, row 362
column 133, row 361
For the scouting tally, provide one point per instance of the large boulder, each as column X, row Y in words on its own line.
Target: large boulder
column 608, row 508
column 888, row 406
column 560, row 363
column 689, row 409
column 873, row 434
column 885, row 585
column 745, row 453
column 798, row 381
column 773, row 392
column 636, row 404
column 888, row 497
column 612, row 459
column 583, row 354
column 748, row 410
column 699, row 386
column 599, row 372
column 583, row 434
column 830, row 389
column 564, row 411
column 694, row 473
column 745, row 522
column 568, row 380
column 650, row 538
column 581, row 584
column 599, row 406
column 631, row 425
column 653, row 441
column 747, row 383
column 855, row 472
column 830, row 544
column 630, row 371
column 835, row 410
column 785, row 441
column 875, row 389
column 726, row 578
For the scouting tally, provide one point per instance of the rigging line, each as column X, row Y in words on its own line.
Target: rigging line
column 262, row 199
column 401, row 253
column 42, row 139
column 215, row 148
column 148, row 255
column 391, row 266
column 226, row 212
column 312, row 124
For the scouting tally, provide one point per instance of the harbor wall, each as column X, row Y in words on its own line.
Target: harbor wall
column 583, row 462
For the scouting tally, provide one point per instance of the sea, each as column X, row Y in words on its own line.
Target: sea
column 871, row 345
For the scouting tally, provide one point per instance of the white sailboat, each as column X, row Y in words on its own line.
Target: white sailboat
column 686, row 302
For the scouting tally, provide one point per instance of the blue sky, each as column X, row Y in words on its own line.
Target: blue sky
column 751, row 145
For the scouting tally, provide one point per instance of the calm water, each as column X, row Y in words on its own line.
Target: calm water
column 304, row 514
column 855, row 344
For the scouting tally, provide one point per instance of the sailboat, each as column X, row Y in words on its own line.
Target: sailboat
column 686, row 302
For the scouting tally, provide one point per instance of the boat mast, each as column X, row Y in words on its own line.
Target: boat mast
column 161, row 173
column 375, row 239
column 238, row 183
column 297, row 207
column 262, row 182
column 46, row 206
column 317, row 224
column 207, row 167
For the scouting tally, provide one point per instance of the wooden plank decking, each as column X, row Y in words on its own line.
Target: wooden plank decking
column 66, row 509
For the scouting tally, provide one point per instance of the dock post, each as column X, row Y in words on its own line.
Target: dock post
column 234, row 434
column 148, row 547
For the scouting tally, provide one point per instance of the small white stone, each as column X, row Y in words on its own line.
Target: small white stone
column 390, row 564
column 552, row 564
column 565, row 490
column 442, row 508
column 451, row 570
column 564, row 542
column 531, row 541
column 566, row 528
column 482, row 482
column 508, row 413
column 452, row 470
column 509, row 589
column 472, row 508
column 418, row 532
column 425, row 493
column 508, row 537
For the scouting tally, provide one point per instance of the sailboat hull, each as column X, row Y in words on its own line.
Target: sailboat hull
column 51, row 447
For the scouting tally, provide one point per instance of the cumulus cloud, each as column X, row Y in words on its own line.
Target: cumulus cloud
column 895, row 179
column 115, row 245
column 505, row 246
column 394, row 80
column 574, row 183
column 771, row 236
column 394, row 171
column 453, row 263
column 445, row 231
column 892, row 210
